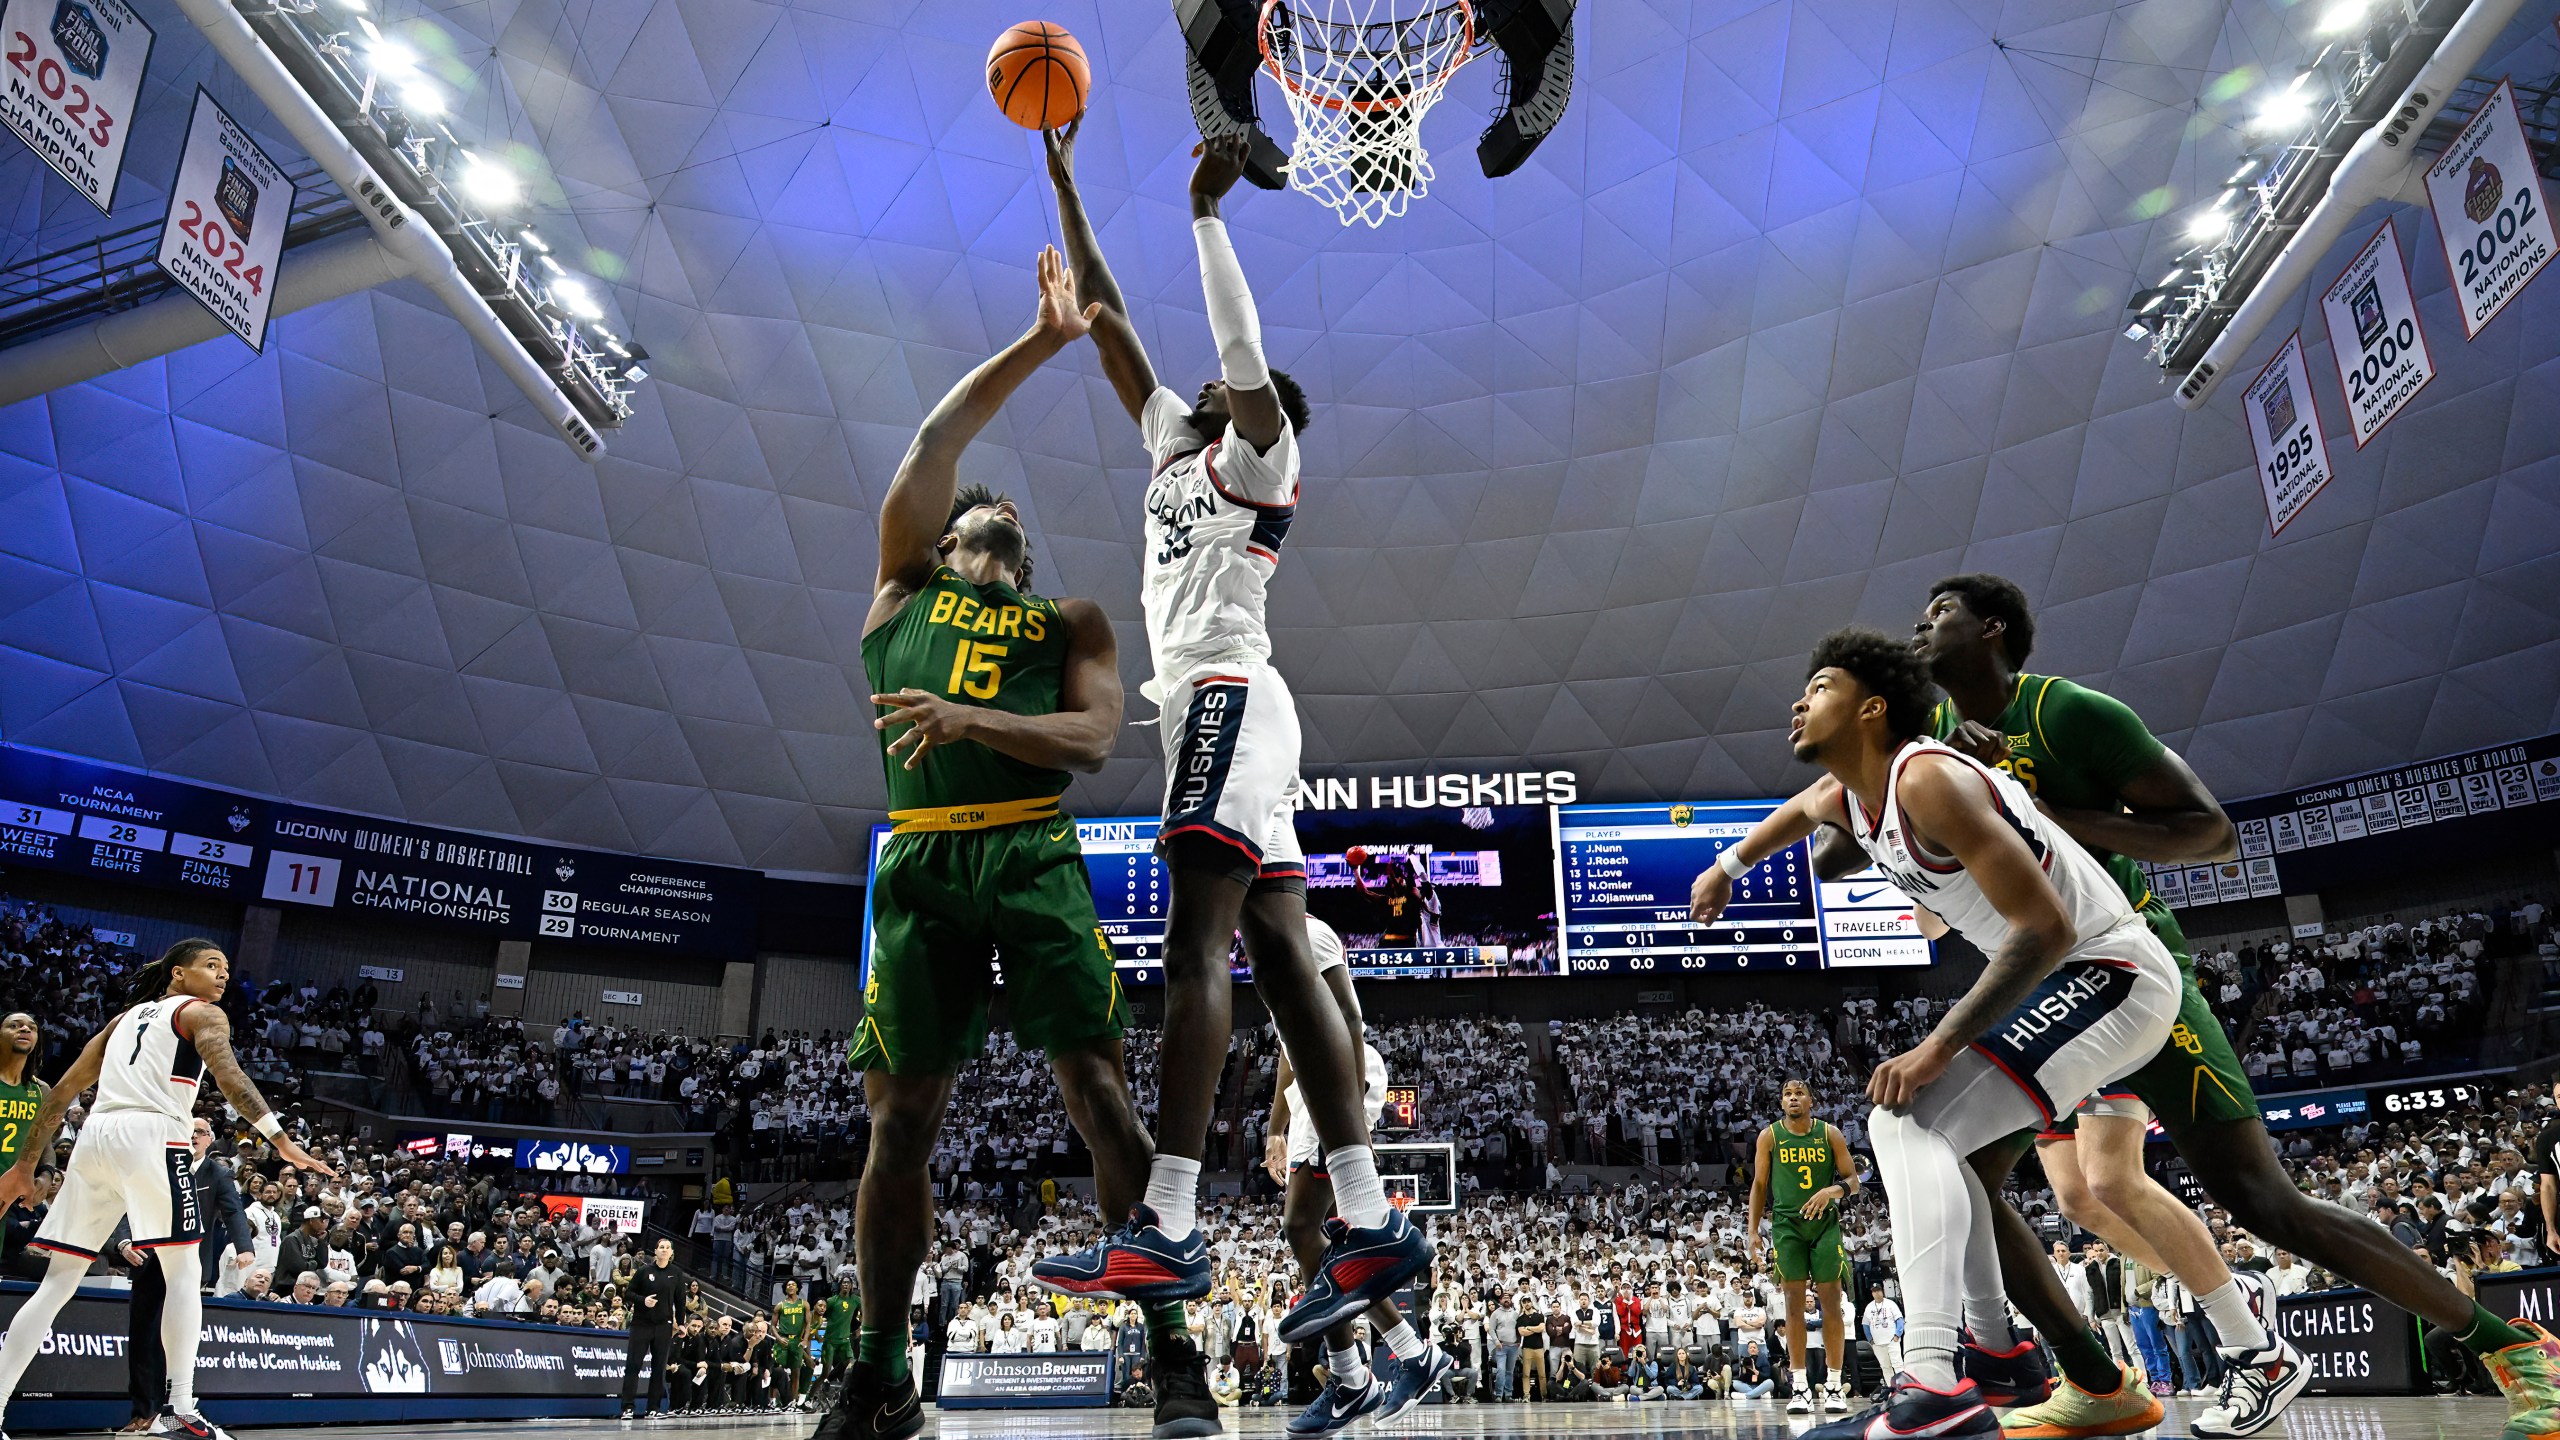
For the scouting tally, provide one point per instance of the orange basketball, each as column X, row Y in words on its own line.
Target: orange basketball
column 1039, row 75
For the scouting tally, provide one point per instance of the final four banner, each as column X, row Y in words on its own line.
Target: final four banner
column 227, row 217
column 2373, row 331
column 74, row 73
column 2491, row 211
column 2284, row 430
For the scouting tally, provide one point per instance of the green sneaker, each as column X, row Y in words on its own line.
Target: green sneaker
column 2530, row 1376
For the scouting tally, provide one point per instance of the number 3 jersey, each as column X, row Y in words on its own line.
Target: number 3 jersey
column 1216, row 514
column 986, row 645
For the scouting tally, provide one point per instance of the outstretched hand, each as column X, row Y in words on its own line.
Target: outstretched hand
column 1060, row 320
column 1061, row 145
column 1222, row 162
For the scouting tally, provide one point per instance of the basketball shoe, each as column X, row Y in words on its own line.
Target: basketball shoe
column 1360, row 1268
column 2019, row 1375
column 1134, row 1262
column 2071, row 1413
column 2530, row 1375
column 1912, row 1411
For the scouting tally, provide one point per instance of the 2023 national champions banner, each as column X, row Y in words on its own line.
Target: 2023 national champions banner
column 57, row 813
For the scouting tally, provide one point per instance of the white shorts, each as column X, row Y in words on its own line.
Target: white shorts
column 128, row 1165
column 2094, row 1018
column 1230, row 761
column 1305, row 1148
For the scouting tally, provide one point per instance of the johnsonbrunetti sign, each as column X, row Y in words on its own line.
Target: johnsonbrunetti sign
column 1025, row 1382
column 253, row 1351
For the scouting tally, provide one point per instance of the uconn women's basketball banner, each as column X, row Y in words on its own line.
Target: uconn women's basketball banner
column 288, row 1352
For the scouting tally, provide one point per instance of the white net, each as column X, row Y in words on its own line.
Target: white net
column 1359, row 76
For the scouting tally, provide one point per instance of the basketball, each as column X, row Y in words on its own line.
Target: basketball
column 1038, row 74
column 1357, row 855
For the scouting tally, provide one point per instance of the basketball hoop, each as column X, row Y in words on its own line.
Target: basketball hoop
column 1359, row 77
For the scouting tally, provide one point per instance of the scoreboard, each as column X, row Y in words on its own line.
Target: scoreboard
column 1624, row 872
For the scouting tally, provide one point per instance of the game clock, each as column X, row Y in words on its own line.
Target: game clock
column 2429, row 1097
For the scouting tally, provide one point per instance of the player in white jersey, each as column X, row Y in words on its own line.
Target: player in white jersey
column 1222, row 490
column 1293, row 1155
column 2077, row 991
column 134, row 1161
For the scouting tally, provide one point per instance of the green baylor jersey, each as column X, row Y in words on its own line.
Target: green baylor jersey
column 986, row 645
column 18, row 1106
column 1798, row 1166
column 2074, row 747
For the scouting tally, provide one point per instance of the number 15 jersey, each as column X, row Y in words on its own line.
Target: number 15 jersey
column 985, row 645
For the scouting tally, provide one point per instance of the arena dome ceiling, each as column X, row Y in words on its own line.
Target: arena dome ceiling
column 1805, row 305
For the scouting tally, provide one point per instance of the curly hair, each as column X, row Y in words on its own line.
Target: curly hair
column 1293, row 400
column 1994, row 597
column 1882, row 666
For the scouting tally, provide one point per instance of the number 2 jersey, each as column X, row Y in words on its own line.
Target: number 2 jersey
column 986, row 645
column 1217, row 511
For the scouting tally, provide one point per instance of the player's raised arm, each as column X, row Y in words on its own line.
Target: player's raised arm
column 1253, row 402
column 1078, row 735
column 18, row 1181
column 209, row 1030
column 1955, row 814
column 1782, row 827
column 918, row 508
column 1124, row 357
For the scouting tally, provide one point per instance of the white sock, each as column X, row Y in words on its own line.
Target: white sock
column 1989, row 1322
column 1406, row 1344
column 181, row 1323
column 1357, row 1195
column 1173, row 1190
column 1349, row 1370
column 2232, row 1318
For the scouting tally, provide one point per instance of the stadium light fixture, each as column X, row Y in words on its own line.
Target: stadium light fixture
column 490, row 183
column 575, row 298
column 422, row 99
column 2344, row 16
column 2209, row 225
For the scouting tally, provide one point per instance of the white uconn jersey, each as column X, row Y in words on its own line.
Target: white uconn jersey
column 2100, row 915
column 1216, row 514
column 148, row 1065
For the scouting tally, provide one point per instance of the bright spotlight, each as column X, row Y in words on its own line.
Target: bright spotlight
column 575, row 298
column 422, row 100
column 392, row 58
column 2208, row 226
column 2285, row 110
column 490, row 184
column 2344, row 16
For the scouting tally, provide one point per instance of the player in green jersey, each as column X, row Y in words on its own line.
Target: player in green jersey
column 21, row 1093
column 989, row 696
column 791, row 1327
column 2106, row 780
column 1799, row 1176
column 838, row 1316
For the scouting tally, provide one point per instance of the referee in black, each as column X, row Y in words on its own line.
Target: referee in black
column 656, row 1297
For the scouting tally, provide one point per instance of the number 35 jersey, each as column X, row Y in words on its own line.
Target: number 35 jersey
column 1216, row 514
column 985, row 645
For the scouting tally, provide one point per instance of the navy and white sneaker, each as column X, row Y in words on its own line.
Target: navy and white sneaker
column 2019, row 1375
column 2256, row 1386
column 1336, row 1406
column 1134, row 1262
column 187, row 1425
column 1912, row 1410
column 1360, row 1268
column 1409, row 1380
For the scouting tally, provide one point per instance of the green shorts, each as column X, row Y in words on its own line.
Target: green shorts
column 837, row 1352
column 2195, row 1080
column 943, row 902
column 1809, row 1250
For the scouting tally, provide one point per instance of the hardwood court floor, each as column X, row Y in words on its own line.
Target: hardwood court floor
column 2311, row 1418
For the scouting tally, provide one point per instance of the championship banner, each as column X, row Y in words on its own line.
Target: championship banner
column 2490, row 210
column 83, row 819
column 1025, row 1382
column 75, row 72
column 2284, row 430
column 2343, row 831
column 2388, row 364
column 2353, row 1342
column 227, row 217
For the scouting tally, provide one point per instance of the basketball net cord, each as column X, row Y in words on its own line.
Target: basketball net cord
column 1358, row 78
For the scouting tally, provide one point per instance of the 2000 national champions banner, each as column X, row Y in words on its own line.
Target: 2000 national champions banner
column 272, row 1351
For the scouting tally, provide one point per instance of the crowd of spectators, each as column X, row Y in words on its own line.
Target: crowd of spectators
column 2368, row 999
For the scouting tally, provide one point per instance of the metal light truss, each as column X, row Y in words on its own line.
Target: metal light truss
column 2361, row 81
column 324, row 46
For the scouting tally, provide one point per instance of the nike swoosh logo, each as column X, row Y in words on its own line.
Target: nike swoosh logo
column 1063, row 832
column 1857, row 897
column 1882, row 1428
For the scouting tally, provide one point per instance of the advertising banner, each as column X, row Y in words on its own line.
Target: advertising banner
column 253, row 1351
column 2354, row 1342
column 227, row 217
column 576, row 1157
column 2375, row 336
column 2490, row 211
column 1025, row 1382
column 2284, row 430
column 2479, row 801
column 74, row 72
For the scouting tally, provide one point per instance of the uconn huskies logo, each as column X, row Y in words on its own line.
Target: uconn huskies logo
column 1897, row 866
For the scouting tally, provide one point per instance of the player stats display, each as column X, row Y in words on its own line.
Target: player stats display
column 1624, row 873
column 1438, row 892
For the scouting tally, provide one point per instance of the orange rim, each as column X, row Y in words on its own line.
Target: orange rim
column 1439, row 78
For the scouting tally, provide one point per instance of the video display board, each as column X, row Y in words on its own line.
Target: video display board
column 1624, row 873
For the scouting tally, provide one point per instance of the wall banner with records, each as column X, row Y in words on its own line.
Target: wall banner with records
column 2365, row 826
